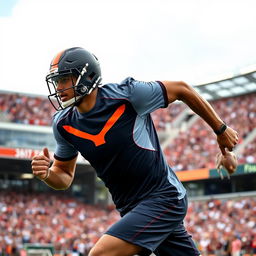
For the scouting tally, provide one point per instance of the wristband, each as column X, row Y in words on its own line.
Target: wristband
column 222, row 129
column 47, row 175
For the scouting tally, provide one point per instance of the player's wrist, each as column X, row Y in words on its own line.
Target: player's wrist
column 47, row 175
column 221, row 129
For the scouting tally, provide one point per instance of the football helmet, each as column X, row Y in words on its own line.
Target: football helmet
column 84, row 69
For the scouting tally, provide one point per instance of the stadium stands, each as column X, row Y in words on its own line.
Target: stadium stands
column 24, row 109
column 46, row 218
column 73, row 226
column 191, row 149
column 249, row 153
column 164, row 117
column 32, row 110
column 197, row 147
column 216, row 223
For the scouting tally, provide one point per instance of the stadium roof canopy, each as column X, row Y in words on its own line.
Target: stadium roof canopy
column 230, row 87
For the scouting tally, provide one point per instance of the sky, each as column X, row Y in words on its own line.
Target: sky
column 191, row 40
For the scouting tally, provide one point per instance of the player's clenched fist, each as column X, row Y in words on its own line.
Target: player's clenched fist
column 228, row 162
column 40, row 165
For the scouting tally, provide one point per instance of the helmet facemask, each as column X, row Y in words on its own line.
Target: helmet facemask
column 78, row 86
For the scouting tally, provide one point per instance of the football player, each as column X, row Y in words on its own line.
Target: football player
column 112, row 128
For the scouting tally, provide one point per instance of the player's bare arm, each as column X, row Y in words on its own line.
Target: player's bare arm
column 181, row 91
column 59, row 175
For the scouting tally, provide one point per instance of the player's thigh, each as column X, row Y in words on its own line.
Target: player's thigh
column 178, row 243
column 109, row 245
column 150, row 223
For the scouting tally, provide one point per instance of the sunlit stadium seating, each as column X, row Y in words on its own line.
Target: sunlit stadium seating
column 196, row 147
column 73, row 226
column 192, row 148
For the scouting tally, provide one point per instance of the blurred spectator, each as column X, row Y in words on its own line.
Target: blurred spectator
column 254, row 244
column 236, row 246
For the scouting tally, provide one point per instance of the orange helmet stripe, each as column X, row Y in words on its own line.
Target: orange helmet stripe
column 55, row 61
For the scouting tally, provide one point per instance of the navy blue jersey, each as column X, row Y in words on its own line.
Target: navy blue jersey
column 118, row 138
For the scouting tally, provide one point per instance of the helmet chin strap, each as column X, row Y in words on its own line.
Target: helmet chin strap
column 70, row 102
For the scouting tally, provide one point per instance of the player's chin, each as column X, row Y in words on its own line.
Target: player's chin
column 64, row 98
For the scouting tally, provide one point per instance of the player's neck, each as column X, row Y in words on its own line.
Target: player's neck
column 88, row 102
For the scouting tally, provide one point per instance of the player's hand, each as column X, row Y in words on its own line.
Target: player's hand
column 40, row 164
column 228, row 139
column 228, row 162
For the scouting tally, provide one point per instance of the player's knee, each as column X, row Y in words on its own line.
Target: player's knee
column 102, row 251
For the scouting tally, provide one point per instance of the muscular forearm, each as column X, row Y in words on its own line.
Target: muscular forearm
column 58, row 179
column 200, row 106
column 182, row 91
column 59, row 176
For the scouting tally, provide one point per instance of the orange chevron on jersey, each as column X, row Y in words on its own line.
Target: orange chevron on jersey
column 98, row 139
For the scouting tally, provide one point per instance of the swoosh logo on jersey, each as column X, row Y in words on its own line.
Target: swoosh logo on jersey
column 98, row 139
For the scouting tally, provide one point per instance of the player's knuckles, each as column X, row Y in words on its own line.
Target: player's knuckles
column 37, row 170
column 40, row 162
column 37, row 156
column 43, row 162
column 34, row 162
column 40, row 157
column 39, row 173
column 35, row 173
column 41, row 167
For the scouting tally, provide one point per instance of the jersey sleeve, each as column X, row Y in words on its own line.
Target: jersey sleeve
column 64, row 150
column 146, row 96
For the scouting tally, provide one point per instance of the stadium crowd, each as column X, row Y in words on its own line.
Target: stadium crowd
column 196, row 147
column 249, row 153
column 24, row 109
column 193, row 148
column 164, row 117
column 69, row 224
column 73, row 227
column 223, row 227
column 27, row 109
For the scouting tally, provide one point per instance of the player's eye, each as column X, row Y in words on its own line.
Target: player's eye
column 62, row 80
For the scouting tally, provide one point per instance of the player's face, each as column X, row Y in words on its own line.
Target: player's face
column 65, row 87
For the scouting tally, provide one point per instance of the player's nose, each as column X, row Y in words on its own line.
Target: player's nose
column 59, row 86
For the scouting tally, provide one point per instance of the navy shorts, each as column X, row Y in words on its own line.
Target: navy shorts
column 156, row 225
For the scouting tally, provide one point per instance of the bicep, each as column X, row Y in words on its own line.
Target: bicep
column 175, row 90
